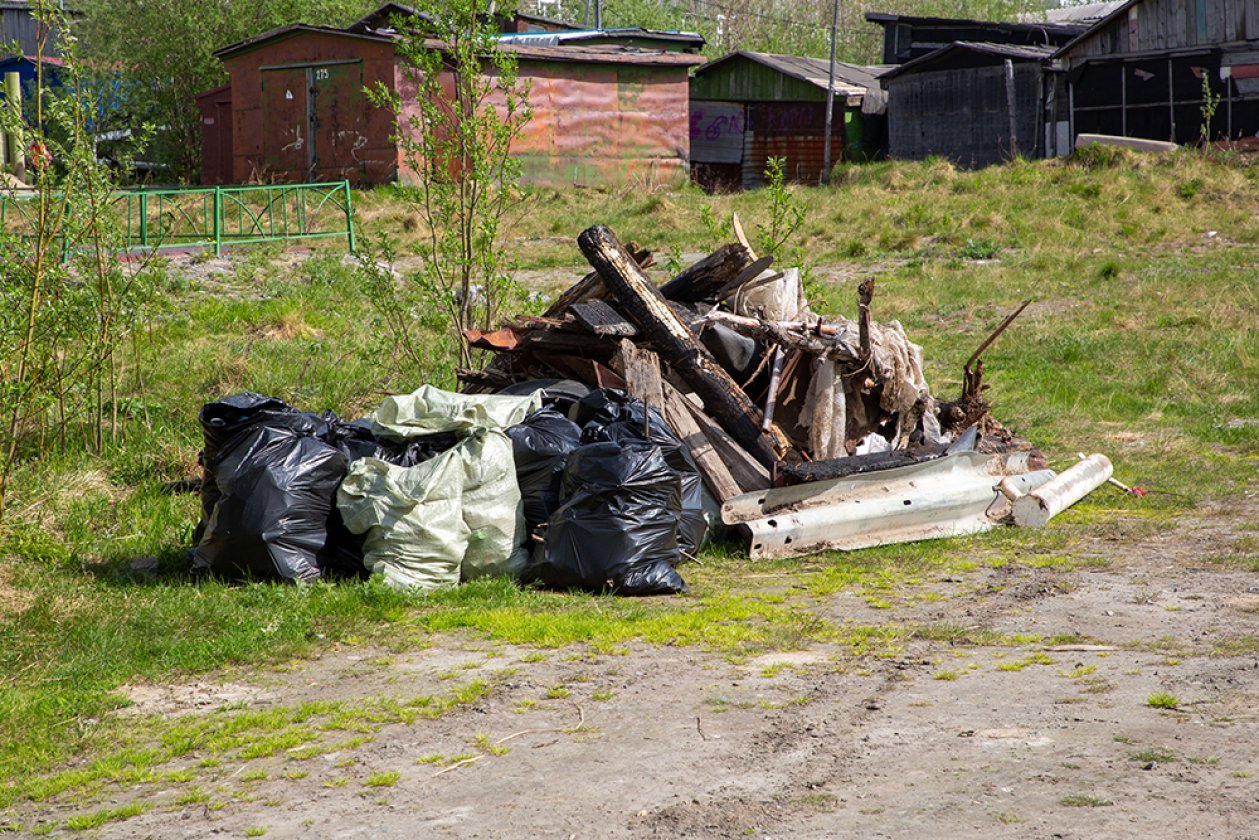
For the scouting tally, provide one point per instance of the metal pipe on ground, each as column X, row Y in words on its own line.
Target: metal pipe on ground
column 1036, row 508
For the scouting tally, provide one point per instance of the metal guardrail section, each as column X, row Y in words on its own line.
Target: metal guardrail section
column 221, row 216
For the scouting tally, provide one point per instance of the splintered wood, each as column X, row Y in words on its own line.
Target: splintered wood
column 762, row 390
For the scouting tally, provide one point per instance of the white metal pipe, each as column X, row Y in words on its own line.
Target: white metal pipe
column 1052, row 498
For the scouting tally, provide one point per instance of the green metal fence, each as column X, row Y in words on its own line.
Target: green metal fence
column 219, row 216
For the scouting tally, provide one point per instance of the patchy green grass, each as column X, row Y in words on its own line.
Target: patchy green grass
column 1142, row 342
column 382, row 779
column 1084, row 800
column 1162, row 700
column 96, row 819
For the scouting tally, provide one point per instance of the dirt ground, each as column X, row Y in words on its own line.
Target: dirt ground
column 941, row 740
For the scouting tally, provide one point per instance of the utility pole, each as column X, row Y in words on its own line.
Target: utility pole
column 830, row 99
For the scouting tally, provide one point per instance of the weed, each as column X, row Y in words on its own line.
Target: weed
column 602, row 695
column 557, row 692
column 387, row 778
column 1162, row 700
column 1084, row 800
column 945, row 675
column 96, row 819
column 1153, row 757
column 255, row 831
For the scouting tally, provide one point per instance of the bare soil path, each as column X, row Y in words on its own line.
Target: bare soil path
column 950, row 737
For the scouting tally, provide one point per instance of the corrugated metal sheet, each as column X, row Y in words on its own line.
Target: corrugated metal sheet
column 791, row 130
column 717, row 131
column 17, row 24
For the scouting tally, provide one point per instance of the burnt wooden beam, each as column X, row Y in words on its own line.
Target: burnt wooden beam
column 591, row 286
column 856, row 464
column 705, row 278
column 643, row 303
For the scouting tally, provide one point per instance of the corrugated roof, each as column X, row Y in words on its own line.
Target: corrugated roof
column 602, row 55
column 850, row 79
column 553, row 38
column 1014, row 52
column 1090, row 13
column 292, row 28
column 883, row 18
column 1116, row 10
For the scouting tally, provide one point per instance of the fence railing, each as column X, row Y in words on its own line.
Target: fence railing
column 215, row 217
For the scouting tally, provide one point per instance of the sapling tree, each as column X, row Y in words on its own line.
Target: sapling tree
column 460, row 108
column 67, row 304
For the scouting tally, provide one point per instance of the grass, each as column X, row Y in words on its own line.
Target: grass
column 96, row 819
column 1084, row 800
column 1142, row 343
column 382, row 779
column 1162, row 700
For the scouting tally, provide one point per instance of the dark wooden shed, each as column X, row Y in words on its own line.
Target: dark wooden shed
column 747, row 107
column 909, row 37
column 1142, row 69
column 973, row 103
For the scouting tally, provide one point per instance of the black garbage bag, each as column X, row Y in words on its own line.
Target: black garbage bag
column 231, row 416
column 540, row 446
column 617, row 527
column 277, row 487
column 559, row 394
column 354, row 439
column 609, row 414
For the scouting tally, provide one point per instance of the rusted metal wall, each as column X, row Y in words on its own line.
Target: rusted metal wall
column 792, row 130
column 216, row 135
column 306, row 87
column 596, row 123
column 732, row 142
column 717, row 130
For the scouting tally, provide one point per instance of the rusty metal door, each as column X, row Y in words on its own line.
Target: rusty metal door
column 287, row 112
column 337, row 129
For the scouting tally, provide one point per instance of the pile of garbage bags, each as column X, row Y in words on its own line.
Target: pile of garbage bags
column 593, row 492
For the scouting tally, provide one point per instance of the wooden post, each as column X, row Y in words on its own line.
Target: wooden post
column 677, row 345
column 13, row 99
column 1010, row 106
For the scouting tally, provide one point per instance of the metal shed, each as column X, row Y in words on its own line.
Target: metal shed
column 973, row 103
column 216, row 135
column 601, row 115
column 1141, row 70
column 18, row 25
column 747, row 107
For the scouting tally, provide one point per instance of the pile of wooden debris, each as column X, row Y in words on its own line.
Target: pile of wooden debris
column 765, row 392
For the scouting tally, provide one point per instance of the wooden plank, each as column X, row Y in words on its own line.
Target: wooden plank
column 716, row 474
column 641, row 370
column 600, row 318
column 747, row 472
column 677, row 345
